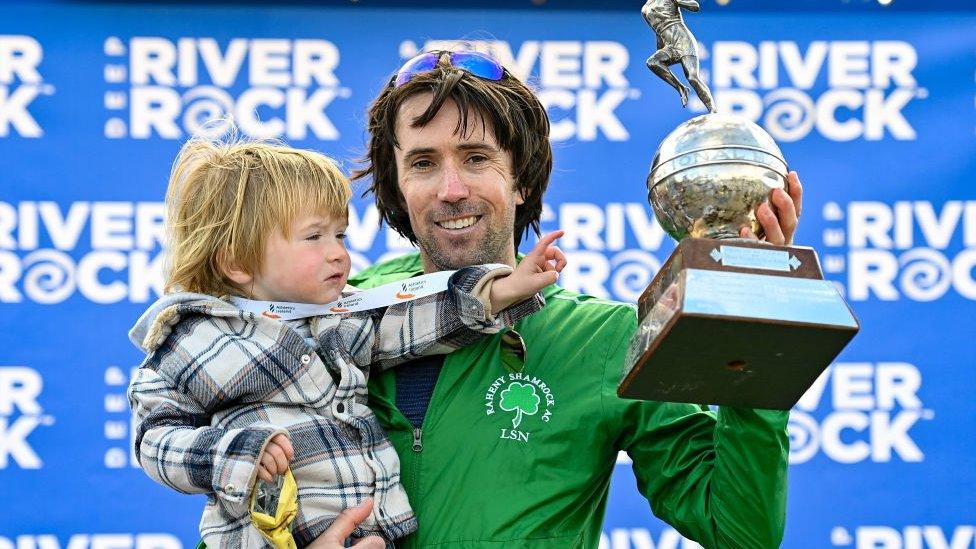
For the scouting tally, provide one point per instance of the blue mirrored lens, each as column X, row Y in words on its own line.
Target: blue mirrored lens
column 422, row 63
column 478, row 64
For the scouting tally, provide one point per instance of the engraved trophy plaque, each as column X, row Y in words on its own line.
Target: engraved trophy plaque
column 726, row 320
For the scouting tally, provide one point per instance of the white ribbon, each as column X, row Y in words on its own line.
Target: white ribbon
column 381, row 296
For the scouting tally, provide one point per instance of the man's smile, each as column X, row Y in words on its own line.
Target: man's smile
column 459, row 223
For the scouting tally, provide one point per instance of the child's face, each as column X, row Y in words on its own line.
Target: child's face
column 310, row 266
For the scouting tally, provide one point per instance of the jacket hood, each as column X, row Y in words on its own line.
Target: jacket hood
column 146, row 324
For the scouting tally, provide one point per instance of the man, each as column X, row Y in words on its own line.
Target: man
column 512, row 442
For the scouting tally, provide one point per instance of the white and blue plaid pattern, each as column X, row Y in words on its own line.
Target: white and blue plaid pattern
column 218, row 383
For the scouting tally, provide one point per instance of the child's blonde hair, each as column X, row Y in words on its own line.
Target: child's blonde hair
column 225, row 198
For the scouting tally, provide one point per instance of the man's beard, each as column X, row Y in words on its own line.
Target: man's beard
column 492, row 248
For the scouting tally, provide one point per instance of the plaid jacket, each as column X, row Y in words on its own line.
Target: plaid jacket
column 218, row 383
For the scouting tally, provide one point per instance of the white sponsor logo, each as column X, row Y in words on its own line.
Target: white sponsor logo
column 859, row 411
column 778, row 85
column 20, row 415
column 93, row 541
column 909, row 537
column 269, row 87
column 20, row 85
column 581, row 83
column 642, row 538
column 105, row 251
column 916, row 250
column 120, row 428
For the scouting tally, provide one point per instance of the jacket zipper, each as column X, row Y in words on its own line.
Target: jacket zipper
column 418, row 443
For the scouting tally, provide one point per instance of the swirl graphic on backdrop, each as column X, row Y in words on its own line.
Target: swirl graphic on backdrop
column 925, row 274
column 633, row 270
column 207, row 111
column 49, row 276
column 804, row 434
column 790, row 114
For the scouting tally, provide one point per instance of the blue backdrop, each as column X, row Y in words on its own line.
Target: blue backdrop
column 875, row 110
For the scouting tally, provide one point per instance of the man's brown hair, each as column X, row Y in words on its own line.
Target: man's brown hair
column 520, row 124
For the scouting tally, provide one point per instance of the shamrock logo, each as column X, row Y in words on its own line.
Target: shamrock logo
column 521, row 399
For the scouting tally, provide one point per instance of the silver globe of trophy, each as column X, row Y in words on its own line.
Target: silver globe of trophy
column 726, row 320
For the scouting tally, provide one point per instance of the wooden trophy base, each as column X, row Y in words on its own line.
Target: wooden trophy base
column 736, row 322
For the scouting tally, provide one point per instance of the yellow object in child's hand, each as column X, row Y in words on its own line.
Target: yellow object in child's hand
column 274, row 506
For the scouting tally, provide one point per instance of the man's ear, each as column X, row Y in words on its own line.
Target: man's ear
column 232, row 271
column 519, row 197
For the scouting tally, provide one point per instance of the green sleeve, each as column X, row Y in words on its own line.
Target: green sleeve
column 719, row 479
column 366, row 279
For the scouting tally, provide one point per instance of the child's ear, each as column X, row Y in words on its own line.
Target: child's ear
column 232, row 271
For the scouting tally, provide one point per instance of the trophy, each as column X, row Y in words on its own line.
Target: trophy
column 726, row 320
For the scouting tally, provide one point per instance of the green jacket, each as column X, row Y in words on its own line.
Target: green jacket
column 521, row 456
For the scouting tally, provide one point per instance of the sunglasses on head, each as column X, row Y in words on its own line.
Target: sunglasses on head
column 478, row 64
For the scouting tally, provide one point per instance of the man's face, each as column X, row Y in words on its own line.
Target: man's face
column 459, row 189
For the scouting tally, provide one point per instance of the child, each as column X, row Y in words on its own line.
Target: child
column 227, row 394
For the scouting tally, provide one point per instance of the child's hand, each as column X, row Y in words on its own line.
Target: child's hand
column 274, row 460
column 535, row 272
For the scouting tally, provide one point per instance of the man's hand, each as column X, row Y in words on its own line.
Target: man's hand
column 538, row 269
column 275, row 458
column 342, row 528
column 780, row 221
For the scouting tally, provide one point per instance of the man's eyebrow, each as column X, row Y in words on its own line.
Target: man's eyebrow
column 418, row 152
column 479, row 146
column 471, row 146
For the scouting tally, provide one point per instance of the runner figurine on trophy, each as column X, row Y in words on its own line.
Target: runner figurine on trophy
column 675, row 44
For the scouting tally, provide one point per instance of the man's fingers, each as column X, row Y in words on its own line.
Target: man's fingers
column 746, row 232
column 264, row 474
column 335, row 537
column 785, row 213
column 795, row 189
column 770, row 224
column 370, row 542
column 347, row 521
